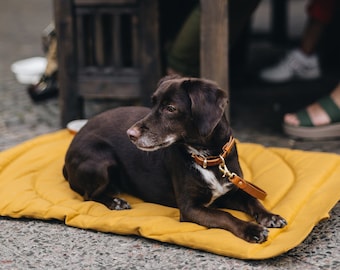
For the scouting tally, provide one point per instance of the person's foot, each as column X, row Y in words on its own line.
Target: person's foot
column 295, row 65
column 318, row 116
column 322, row 112
column 44, row 89
column 321, row 119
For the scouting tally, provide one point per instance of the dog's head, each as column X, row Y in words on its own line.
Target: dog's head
column 184, row 109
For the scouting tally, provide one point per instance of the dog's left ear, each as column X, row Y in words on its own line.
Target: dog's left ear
column 208, row 103
column 168, row 77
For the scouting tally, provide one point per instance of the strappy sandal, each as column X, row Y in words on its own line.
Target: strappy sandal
column 307, row 130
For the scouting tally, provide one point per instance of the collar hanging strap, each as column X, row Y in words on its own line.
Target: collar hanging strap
column 241, row 183
column 215, row 160
column 248, row 187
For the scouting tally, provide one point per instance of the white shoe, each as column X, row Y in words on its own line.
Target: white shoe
column 295, row 65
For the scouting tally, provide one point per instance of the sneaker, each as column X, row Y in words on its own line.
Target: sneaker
column 295, row 65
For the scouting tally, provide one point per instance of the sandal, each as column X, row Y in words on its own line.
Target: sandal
column 307, row 130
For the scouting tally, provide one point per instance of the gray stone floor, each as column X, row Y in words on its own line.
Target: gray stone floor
column 34, row 244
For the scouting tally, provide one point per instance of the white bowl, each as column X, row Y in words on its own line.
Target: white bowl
column 76, row 125
column 30, row 70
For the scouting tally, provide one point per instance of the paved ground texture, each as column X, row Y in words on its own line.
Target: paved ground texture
column 33, row 244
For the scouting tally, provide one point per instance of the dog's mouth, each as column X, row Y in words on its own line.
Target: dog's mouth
column 146, row 145
column 153, row 147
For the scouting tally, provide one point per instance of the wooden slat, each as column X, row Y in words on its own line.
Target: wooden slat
column 104, row 2
column 109, row 71
column 135, row 45
column 90, row 40
column 214, row 42
column 149, row 48
column 123, row 87
column 116, row 33
column 69, row 101
column 80, row 41
column 99, row 40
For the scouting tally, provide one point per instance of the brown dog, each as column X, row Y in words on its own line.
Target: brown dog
column 186, row 123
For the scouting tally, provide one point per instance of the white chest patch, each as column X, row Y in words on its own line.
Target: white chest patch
column 217, row 189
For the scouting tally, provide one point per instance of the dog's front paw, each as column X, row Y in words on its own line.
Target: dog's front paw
column 256, row 233
column 119, row 204
column 271, row 221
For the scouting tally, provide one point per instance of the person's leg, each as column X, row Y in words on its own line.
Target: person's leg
column 311, row 37
column 302, row 62
column 183, row 58
column 320, row 13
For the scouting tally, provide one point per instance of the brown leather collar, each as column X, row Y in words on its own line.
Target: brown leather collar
column 215, row 160
column 241, row 183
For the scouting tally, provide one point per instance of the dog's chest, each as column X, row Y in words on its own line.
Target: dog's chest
column 217, row 189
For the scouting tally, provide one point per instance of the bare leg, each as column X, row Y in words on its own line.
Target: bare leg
column 311, row 36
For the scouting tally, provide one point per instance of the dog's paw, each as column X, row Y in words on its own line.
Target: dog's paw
column 271, row 221
column 119, row 204
column 255, row 233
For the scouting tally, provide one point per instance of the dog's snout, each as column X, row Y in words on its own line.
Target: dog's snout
column 133, row 133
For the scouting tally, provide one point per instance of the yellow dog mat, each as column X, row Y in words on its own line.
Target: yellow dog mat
column 302, row 187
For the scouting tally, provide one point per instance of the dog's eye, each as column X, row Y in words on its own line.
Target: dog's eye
column 153, row 100
column 170, row 108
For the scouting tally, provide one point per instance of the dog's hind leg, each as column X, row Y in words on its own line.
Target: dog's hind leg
column 112, row 202
column 97, row 183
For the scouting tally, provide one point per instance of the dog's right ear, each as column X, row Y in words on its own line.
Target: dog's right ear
column 208, row 103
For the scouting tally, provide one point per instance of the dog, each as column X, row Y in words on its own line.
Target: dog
column 151, row 154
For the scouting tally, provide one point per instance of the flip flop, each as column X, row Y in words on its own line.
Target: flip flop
column 307, row 130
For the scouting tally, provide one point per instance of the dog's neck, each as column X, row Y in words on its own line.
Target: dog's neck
column 212, row 144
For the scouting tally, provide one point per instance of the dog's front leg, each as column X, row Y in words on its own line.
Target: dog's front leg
column 241, row 201
column 214, row 218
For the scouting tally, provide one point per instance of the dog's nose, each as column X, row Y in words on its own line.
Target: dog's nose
column 133, row 133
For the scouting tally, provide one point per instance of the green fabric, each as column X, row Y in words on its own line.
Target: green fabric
column 184, row 54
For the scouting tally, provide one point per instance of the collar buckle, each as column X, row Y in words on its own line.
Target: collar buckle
column 224, row 169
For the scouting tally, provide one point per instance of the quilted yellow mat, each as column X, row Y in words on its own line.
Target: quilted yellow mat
column 301, row 186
